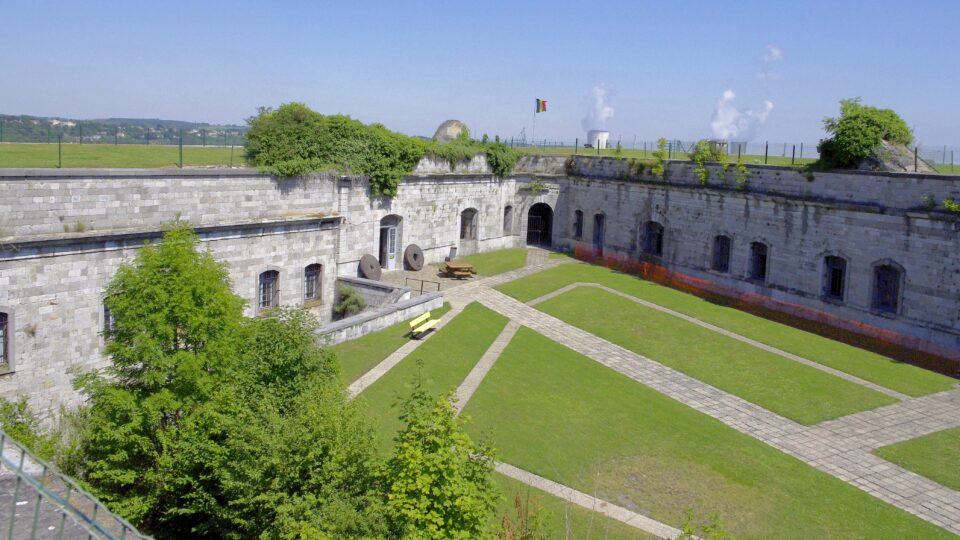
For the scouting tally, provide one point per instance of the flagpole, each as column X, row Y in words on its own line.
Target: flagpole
column 533, row 137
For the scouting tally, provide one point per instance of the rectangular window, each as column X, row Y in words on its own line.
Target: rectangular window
column 311, row 282
column 4, row 340
column 721, row 253
column 835, row 269
column 758, row 261
column 886, row 289
column 108, row 322
column 268, row 289
column 578, row 225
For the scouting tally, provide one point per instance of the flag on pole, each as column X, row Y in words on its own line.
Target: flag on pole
column 541, row 106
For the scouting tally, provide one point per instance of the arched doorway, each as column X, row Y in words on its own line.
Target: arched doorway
column 540, row 225
column 390, row 242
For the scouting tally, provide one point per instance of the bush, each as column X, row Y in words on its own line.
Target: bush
column 294, row 140
column 858, row 132
column 350, row 302
column 704, row 152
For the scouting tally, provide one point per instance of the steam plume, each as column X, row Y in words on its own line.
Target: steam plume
column 598, row 112
column 733, row 124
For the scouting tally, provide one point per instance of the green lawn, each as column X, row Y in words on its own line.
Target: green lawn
column 584, row 523
column 559, row 255
column 801, row 393
column 873, row 367
column 441, row 363
column 936, row 456
column 492, row 263
column 115, row 156
column 560, row 415
column 359, row 355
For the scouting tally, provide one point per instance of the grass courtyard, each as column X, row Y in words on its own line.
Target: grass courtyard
column 899, row 376
column 496, row 262
column 551, row 411
column 560, row 415
column 936, row 456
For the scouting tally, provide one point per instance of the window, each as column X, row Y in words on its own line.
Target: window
column 508, row 220
column 4, row 341
column 311, row 282
column 721, row 253
column 653, row 238
column 834, row 274
column 578, row 225
column 599, row 232
column 109, row 323
column 269, row 289
column 758, row 261
column 886, row 288
column 468, row 224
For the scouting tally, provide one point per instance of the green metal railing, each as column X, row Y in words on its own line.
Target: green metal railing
column 44, row 503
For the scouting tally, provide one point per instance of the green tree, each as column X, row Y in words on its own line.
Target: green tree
column 214, row 426
column 858, row 132
column 659, row 155
column 439, row 480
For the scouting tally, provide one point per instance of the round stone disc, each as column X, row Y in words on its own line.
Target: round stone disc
column 413, row 256
column 370, row 267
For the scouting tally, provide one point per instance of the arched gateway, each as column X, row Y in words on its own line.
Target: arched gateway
column 540, row 225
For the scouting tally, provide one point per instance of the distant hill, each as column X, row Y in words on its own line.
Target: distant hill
column 38, row 129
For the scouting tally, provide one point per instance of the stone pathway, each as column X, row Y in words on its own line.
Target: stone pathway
column 398, row 355
column 475, row 377
column 652, row 526
column 840, row 453
column 779, row 352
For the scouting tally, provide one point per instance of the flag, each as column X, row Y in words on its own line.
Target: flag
column 541, row 106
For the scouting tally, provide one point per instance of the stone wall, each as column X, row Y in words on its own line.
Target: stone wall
column 379, row 318
column 374, row 293
column 55, row 291
column 800, row 231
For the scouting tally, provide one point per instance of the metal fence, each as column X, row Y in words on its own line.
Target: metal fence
column 792, row 153
column 13, row 130
column 36, row 501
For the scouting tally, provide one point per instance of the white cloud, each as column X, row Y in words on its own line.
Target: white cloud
column 772, row 54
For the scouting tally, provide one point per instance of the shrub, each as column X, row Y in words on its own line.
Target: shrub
column 350, row 302
column 659, row 155
column 705, row 152
column 858, row 132
column 951, row 205
column 19, row 422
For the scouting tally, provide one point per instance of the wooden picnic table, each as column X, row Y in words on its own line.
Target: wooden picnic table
column 458, row 269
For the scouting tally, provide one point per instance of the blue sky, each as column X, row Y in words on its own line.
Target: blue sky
column 410, row 65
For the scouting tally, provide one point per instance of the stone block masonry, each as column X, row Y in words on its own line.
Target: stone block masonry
column 63, row 234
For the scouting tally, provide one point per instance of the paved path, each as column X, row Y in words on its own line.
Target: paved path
column 652, row 526
column 790, row 356
column 397, row 356
column 837, row 453
column 475, row 377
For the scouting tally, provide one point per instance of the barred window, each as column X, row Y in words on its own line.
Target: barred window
column 578, row 224
column 311, row 282
column 834, row 277
column 758, row 261
column 886, row 288
column 4, row 339
column 653, row 238
column 269, row 289
column 721, row 253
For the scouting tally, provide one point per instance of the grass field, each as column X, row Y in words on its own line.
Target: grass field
column 440, row 364
column 867, row 365
column 359, row 355
column 778, row 160
column 496, row 262
column 936, row 456
column 558, row 414
column 553, row 513
column 123, row 156
column 801, row 393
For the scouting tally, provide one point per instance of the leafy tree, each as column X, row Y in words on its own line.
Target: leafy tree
column 659, row 155
column 211, row 425
column 439, row 480
column 858, row 132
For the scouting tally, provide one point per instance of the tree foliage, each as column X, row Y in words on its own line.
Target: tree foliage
column 858, row 132
column 349, row 302
column 659, row 155
column 293, row 140
column 211, row 425
column 439, row 480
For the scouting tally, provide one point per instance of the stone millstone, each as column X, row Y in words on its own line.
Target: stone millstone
column 370, row 267
column 413, row 256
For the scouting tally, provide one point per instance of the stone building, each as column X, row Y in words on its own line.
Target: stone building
column 859, row 252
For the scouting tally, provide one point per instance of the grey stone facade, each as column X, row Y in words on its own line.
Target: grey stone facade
column 64, row 233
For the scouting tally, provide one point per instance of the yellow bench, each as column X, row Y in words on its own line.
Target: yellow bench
column 425, row 327
column 419, row 320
